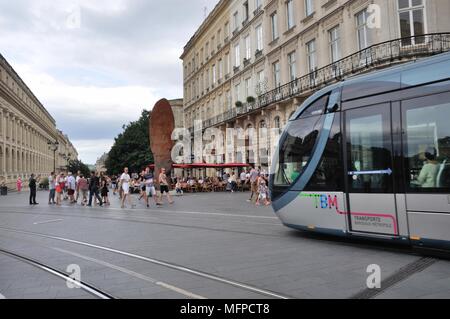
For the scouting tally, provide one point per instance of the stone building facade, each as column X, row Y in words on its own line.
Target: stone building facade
column 279, row 52
column 26, row 127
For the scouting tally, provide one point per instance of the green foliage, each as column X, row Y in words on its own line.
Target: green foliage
column 238, row 104
column 250, row 99
column 131, row 148
column 77, row 165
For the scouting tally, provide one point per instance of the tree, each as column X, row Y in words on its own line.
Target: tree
column 77, row 165
column 131, row 148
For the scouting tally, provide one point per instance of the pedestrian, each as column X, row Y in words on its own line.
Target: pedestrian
column 150, row 189
column 233, row 181
column 71, row 186
column 114, row 184
column 77, row 179
column 59, row 188
column 52, row 188
column 178, row 188
column 94, row 185
column 125, row 182
column 263, row 191
column 19, row 185
column 83, row 188
column 32, row 185
column 254, row 174
column 104, row 192
column 164, row 186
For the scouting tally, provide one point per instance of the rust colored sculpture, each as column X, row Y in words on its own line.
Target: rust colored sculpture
column 162, row 124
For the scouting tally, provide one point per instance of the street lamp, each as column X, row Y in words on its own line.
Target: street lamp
column 53, row 146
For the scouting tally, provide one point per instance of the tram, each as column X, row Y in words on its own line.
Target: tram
column 370, row 157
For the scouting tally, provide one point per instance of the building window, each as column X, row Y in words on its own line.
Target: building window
column 246, row 14
column 214, row 74
column 362, row 30
column 220, row 69
column 228, row 62
column 290, row 14
column 226, row 30
column 334, row 44
column 237, row 56
column 258, row 4
column 276, row 74
column 236, row 20
column 412, row 21
column 237, row 94
column 291, row 65
column 248, row 87
column 259, row 38
column 248, row 49
column 309, row 8
column 311, row 55
column 260, row 86
column 311, row 58
column 277, row 124
column 274, row 21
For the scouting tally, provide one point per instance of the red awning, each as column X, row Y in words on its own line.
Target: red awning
column 206, row 165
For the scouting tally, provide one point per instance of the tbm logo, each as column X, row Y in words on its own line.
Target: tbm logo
column 324, row 201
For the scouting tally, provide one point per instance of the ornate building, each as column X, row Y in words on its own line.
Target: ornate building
column 279, row 52
column 26, row 128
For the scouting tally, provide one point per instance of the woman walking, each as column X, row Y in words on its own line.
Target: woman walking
column 104, row 192
column 125, row 181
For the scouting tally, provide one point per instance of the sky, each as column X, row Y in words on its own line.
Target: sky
column 95, row 64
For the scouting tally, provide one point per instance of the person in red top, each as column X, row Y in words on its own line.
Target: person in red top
column 83, row 188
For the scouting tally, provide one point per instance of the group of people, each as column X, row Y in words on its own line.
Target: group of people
column 94, row 189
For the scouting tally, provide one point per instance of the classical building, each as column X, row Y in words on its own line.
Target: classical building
column 279, row 52
column 100, row 163
column 178, row 112
column 26, row 128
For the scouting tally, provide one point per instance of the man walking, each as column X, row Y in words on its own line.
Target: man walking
column 94, row 185
column 76, row 186
column 32, row 185
column 164, row 186
column 254, row 174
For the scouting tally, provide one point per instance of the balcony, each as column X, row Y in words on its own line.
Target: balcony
column 258, row 54
column 246, row 62
column 236, row 69
column 257, row 11
column 377, row 56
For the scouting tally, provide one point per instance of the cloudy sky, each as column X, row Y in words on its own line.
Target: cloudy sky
column 95, row 64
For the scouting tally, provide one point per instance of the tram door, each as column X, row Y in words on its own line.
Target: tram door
column 371, row 206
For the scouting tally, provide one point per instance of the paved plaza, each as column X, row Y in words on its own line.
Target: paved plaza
column 214, row 245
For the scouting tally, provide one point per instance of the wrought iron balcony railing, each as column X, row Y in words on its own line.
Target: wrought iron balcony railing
column 376, row 56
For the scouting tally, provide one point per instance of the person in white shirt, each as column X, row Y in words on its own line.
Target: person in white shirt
column 71, row 187
column 77, row 179
column 125, row 181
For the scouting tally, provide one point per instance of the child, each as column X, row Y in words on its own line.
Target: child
column 104, row 192
column 263, row 193
column 178, row 188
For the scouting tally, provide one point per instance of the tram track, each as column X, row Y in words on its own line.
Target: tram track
column 163, row 263
column 87, row 287
column 145, row 220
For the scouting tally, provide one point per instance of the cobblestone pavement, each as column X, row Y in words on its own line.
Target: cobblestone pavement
column 204, row 246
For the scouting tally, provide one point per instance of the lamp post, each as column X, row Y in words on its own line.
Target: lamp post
column 53, row 146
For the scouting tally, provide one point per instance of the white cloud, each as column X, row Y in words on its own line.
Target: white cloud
column 91, row 150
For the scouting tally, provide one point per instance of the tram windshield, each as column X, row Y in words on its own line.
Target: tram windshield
column 295, row 149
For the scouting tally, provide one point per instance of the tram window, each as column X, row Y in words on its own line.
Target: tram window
column 328, row 175
column 427, row 149
column 296, row 149
column 316, row 108
column 369, row 150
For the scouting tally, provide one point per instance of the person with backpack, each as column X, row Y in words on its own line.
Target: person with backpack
column 94, row 185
